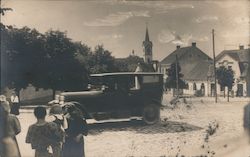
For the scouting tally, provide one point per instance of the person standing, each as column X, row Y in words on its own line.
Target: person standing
column 246, row 121
column 14, row 104
column 77, row 128
column 56, row 116
column 10, row 127
column 42, row 135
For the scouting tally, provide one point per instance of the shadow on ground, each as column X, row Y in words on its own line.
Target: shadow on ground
column 139, row 126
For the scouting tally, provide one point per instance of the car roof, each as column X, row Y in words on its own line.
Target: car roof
column 124, row 73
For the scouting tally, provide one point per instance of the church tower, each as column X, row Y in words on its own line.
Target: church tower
column 147, row 48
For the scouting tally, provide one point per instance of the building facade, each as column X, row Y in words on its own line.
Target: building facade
column 239, row 62
column 195, row 66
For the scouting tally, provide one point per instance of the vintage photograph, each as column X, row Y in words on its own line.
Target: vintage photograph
column 125, row 78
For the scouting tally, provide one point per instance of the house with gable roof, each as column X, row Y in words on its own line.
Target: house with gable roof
column 195, row 66
column 239, row 62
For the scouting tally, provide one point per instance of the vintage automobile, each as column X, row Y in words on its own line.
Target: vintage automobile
column 120, row 95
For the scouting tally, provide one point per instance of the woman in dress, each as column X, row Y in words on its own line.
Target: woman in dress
column 77, row 127
column 10, row 127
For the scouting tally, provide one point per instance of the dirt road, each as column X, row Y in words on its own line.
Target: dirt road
column 199, row 127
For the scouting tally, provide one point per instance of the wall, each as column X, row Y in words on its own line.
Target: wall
column 30, row 93
column 228, row 61
column 191, row 91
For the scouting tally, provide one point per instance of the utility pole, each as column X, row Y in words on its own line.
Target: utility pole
column 215, row 82
column 177, row 76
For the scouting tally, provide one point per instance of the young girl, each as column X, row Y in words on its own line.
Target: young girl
column 56, row 116
column 42, row 134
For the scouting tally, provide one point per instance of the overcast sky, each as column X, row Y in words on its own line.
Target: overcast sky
column 120, row 25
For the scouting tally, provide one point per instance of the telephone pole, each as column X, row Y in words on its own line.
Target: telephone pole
column 215, row 82
column 177, row 76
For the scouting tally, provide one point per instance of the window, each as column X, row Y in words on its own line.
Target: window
column 202, row 86
column 151, row 79
column 194, row 86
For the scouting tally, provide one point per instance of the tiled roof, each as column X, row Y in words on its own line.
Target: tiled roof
column 200, row 71
column 238, row 55
column 180, row 53
column 194, row 69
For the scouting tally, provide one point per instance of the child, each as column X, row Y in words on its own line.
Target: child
column 42, row 134
column 56, row 116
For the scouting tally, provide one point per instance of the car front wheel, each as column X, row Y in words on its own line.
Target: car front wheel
column 151, row 114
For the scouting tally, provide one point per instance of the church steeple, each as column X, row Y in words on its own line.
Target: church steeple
column 147, row 44
column 146, row 36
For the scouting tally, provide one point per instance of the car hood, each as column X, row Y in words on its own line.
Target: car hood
column 82, row 94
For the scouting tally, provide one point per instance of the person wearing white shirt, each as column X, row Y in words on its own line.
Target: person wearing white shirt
column 14, row 104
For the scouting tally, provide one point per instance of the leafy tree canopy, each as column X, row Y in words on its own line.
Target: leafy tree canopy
column 171, row 79
column 225, row 77
column 49, row 60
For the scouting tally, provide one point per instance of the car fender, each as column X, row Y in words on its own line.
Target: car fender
column 153, row 101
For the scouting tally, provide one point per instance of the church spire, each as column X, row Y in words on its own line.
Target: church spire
column 146, row 36
column 147, row 45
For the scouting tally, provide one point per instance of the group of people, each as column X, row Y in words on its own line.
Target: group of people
column 57, row 134
column 10, row 127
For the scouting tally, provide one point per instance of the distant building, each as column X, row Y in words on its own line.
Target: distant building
column 195, row 66
column 239, row 62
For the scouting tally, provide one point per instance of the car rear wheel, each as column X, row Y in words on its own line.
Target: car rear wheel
column 151, row 114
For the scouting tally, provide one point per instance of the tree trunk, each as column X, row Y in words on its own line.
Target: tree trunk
column 224, row 91
column 228, row 95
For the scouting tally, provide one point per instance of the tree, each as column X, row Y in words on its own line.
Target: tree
column 21, row 53
column 45, row 60
column 225, row 77
column 171, row 79
column 101, row 61
column 130, row 63
column 60, row 69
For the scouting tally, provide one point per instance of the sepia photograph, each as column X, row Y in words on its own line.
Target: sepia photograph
column 125, row 78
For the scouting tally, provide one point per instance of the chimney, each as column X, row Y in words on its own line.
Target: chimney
column 241, row 47
column 178, row 46
column 194, row 44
